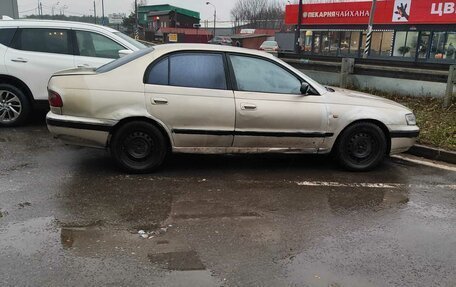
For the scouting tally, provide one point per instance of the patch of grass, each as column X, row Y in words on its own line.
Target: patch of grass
column 438, row 125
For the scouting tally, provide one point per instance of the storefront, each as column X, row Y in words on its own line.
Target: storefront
column 405, row 30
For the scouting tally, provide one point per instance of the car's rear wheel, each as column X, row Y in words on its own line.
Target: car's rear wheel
column 361, row 147
column 139, row 147
column 14, row 106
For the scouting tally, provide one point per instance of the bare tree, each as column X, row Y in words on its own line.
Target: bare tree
column 259, row 13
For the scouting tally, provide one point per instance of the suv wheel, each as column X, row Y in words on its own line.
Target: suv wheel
column 14, row 106
column 139, row 147
column 361, row 147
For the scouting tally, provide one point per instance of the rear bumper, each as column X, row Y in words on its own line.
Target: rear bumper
column 80, row 131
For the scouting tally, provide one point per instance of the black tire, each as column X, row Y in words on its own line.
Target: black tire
column 139, row 147
column 361, row 147
column 15, row 107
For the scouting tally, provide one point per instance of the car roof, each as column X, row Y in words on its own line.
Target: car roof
column 53, row 24
column 166, row 48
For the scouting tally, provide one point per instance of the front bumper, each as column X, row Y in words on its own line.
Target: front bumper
column 403, row 139
column 80, row 131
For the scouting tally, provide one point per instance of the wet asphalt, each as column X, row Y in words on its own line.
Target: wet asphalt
column 69, row 217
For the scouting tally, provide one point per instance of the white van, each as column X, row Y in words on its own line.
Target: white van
column 31, row 51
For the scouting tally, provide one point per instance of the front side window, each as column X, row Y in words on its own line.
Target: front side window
column 192, row 70
column 6, row 36
column 257, row 75
column 44, row 40
column 96, row 45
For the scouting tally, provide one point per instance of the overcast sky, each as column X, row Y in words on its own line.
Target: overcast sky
column 81, row 7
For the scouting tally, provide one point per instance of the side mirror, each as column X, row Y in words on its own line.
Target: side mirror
column 123, row 53
column 305, row 87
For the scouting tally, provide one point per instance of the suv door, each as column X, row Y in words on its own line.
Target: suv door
column 94, row 49
column 190, row 94
column 36, row 54
column 271, row 111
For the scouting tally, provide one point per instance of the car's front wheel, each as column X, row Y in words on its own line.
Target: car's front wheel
column 139, row 147
column 361, row 147
column 14, row 106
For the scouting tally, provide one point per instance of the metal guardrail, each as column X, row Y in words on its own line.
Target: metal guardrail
column 348, row 66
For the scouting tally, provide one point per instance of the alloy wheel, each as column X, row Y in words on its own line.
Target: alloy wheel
column 10, row 107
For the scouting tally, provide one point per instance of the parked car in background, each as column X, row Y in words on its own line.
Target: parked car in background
column 31, row 51
column 193, row 98
column 270, row 46
column 221, row 40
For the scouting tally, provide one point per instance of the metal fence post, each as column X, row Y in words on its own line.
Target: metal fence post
column 347, row 68
column 450, row 86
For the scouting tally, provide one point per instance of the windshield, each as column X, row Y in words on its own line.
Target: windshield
column 270, row 43
column 124, row 60
column 131, row 40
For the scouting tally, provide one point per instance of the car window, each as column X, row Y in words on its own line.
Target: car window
column 96, row 45
column 193, row 70
column 258, row 75
column 159, row 74
column 6, row 36
column 44, row 40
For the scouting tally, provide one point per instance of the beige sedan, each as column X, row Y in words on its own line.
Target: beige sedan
column 216, row 99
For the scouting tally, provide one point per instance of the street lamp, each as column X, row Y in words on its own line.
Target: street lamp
column 54, row 6
column 215, row 14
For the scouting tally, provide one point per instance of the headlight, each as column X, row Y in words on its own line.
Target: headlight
column 411, row 119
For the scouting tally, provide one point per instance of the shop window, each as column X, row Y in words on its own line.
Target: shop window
column 306, row 41
column 325, row 43
column 423, row 46
column 345, row 43
column 317, row 43
column 363, row 42
column 438, row 45
column 354, row 43
column 376, row 43
column 334, row 40
column 387, row 44
column 450, row 46
column 405, row 44
column 412, row 43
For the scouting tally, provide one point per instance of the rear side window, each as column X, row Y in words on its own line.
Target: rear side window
column 54, row 41
column 192, row 70
column 6, row 36
column 96, row 45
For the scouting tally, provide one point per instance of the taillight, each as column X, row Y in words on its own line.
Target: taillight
column 55, row 100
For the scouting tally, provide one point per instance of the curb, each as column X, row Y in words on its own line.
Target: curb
column 433, row 153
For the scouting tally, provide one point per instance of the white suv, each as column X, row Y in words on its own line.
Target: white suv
column 32, row 51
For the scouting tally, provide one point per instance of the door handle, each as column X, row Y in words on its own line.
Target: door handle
column 159, row 101
column 248, row 107
column 84, row 66
column 19, row 60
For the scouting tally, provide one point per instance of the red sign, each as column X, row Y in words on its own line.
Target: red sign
column 387, row 12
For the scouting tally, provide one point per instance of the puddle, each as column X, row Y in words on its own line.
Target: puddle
column 178, row 261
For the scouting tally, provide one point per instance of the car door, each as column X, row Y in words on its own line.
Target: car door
column 190, row 94
column 94, row 49
column 271, row 111
column 36, row 54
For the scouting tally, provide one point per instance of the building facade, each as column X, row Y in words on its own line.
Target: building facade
column 9, row 8
column 154, row 17
column 404, row 30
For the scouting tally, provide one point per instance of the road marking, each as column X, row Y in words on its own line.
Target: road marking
column 371, row 185
column 426, row 163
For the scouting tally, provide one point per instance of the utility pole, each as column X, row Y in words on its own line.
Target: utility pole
column 41, row 8
column 215, row 15
column 95, row 11
column 136, row 21
column 102, row 12
column 370, row 29
column 298, row 28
